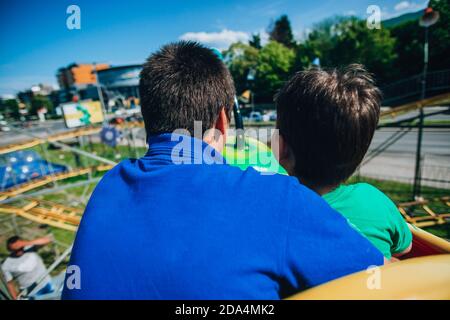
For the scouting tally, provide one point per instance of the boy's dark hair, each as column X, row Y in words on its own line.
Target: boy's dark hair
column 328, row 118
column 11, row 241
column 181, row 83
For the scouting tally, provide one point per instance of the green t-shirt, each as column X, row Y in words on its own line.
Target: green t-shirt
column 373, row 214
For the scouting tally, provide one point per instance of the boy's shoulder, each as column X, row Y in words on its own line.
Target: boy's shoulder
column 365, row 188
column 372, row 197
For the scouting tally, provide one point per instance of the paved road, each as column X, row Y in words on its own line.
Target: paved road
column 40, row 129
column 398, row 161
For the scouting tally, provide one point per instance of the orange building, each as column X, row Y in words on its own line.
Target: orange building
column 76, row 75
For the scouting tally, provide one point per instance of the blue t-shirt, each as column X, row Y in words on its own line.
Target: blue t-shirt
column 156, row 228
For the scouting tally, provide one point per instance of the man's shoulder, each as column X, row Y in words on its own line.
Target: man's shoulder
column 6, row 263
column 273, row 182
column 285, row 190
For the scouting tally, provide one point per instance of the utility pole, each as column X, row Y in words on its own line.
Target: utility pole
column 99, row 92
column 429, row 18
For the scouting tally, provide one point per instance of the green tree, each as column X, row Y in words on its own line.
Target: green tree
column 281, row 32
column 273, row 68
column 40, row 101
column 439, row 36
column 409, row 49
column 410, row 40
column 340, row 41
column 255, row 41
column 241, row 58
column 9, row 108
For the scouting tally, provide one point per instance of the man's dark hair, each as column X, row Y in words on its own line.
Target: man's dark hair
column 181, row 83
column 328, row 118
column 11, row 241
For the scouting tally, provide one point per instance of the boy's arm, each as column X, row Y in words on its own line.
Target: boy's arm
column 401, row 235
column 407, row 250
column 321, row 246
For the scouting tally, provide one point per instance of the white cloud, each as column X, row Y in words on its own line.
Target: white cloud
column 409, row 6
column 220, row 39
column 264, row 36
column 402, row 6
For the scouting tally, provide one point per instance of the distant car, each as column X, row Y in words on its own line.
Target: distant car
column 273, row 116
column 255, row 116
column 116, row 121
column 4, row 125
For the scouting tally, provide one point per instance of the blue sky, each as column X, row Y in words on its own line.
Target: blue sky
column 35, row 41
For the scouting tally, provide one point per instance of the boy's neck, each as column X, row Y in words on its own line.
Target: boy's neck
column 319, row 190
column 324, row 190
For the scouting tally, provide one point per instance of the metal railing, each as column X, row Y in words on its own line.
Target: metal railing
column 408, row 90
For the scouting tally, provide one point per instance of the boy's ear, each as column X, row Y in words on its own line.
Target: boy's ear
column 283, row 153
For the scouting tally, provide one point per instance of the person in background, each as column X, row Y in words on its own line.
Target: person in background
column 326, row 121
column 26, row 267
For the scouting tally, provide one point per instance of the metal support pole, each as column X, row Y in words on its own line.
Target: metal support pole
column 99, row 92
column 418, row 166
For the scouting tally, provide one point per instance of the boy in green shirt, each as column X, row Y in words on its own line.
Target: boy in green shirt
column 326, row 122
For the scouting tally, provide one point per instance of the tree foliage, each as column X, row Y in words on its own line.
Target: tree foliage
column 40, row 101
column 9, row 108
column 341, row 41
column 241, row 59
column 410, row 40
column 440, row 36
column 281, row 32
column 255, row 41
column 390, row 54
column 274, row 66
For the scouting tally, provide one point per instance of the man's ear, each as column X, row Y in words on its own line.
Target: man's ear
column 222, row 122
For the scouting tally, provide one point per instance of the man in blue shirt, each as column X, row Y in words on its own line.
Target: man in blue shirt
column 179, row 223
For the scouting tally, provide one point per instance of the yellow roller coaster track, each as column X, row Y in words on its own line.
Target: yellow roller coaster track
column 442, row 99
column 54, row 137
column 62, row 136
column 431, row 218
column 45, row 212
